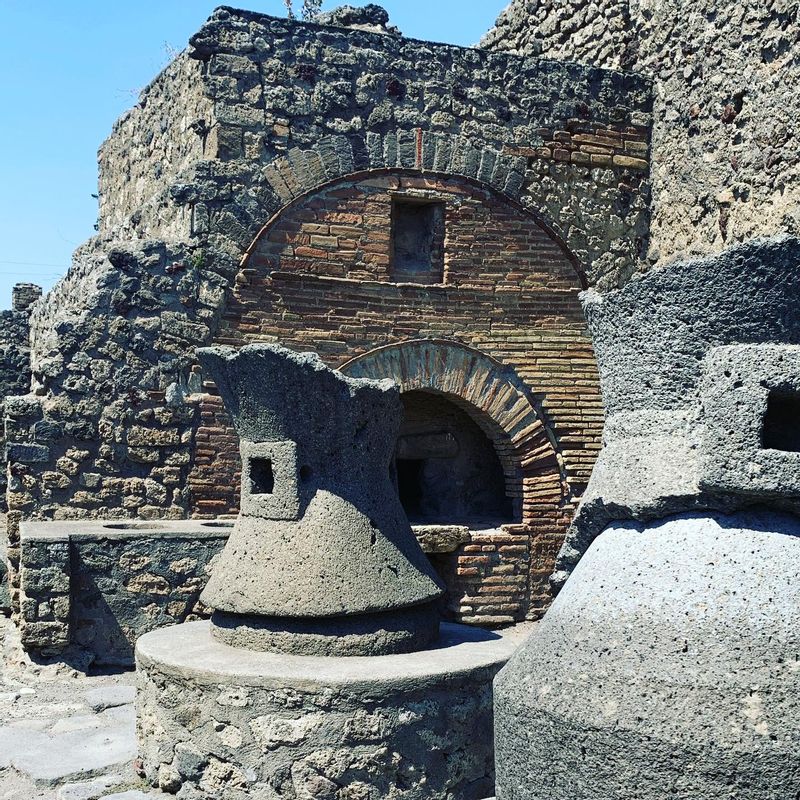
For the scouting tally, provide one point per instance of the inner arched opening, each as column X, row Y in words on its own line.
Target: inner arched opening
column 448, row 470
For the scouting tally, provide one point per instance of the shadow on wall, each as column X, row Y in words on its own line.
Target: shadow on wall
column 109, row 611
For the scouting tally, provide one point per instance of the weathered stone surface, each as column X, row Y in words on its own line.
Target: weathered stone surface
column 724, row 132
column 15, row 368
column 750, row 442
column 110, row 697
column 5, row 597
column 681, row 432
column 321, row 538
column 665, row 668
column 407, row 726
column 53, row 758
column 441, row 538
column 116, row 580
column 92, row 789
column 370, row 17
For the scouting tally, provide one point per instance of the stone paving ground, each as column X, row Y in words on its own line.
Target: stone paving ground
column 65, row 735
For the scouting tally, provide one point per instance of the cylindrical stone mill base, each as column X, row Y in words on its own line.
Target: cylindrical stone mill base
column 214, row 721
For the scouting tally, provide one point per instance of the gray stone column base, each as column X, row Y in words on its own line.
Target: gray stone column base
column 216, row 721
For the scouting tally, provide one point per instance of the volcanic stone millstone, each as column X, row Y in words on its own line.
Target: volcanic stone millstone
column 322, row 559
column 667, row 667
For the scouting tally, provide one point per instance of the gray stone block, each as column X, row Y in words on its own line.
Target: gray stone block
column 5, row 599
column 27, row 453
column 751, row 423
column 105, row 697
column 92, row 789
column 688, row 356
column 53, row 759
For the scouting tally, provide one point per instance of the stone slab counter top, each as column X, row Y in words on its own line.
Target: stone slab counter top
column 124, row 529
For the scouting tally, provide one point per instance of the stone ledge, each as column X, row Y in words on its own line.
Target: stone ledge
column 87, row 530
column 189, row 651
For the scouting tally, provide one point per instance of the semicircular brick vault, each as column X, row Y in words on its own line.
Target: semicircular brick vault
column 492, row 322
column 493, row 395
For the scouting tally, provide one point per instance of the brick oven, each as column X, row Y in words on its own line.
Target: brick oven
column 470, row 303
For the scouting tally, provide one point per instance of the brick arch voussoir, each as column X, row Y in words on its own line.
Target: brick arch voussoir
column 491, row 393
column 290, row 178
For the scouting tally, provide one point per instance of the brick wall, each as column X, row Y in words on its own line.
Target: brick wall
column 319, row 278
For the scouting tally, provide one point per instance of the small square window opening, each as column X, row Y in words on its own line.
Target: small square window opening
column 417, row 242
column 781, row 427
column 262, row 478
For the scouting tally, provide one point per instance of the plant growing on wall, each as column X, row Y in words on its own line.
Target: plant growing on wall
column 309, row 11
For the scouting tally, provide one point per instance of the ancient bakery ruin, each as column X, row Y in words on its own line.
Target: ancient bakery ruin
column 424, row 421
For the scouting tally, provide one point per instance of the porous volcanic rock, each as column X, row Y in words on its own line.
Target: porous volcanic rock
column 322, row 558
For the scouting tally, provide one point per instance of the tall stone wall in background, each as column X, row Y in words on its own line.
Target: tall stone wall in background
column 259, row 113
column 15, row 359
column 725, row 133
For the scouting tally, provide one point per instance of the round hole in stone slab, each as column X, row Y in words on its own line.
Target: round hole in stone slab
column 132, row 526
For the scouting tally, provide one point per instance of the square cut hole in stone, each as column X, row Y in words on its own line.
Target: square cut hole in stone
column 262, row 478
column 781, row 427
column 417, row 241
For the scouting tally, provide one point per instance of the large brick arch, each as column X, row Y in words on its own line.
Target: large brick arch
column 303, row 171
column 493, row 395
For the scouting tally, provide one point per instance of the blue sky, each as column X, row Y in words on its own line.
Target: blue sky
column 71, row 68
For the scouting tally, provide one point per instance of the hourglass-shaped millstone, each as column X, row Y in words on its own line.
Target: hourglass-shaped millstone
column 322, row 559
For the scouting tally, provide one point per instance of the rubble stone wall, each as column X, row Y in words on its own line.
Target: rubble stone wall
column 274, row 87
column 97, row 588
column 15, row 369
column 725, row 133
column 15, row 359
column 167, row 131
column 385, row 726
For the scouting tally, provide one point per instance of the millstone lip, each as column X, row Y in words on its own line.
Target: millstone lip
column 247, row 403
column 189, row 650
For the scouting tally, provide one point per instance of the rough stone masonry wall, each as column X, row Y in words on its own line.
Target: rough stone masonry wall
column 725, row 132
column 169, row 129
column 96, row 588
column 110, row 429
column 279, row 88
column 15, row 366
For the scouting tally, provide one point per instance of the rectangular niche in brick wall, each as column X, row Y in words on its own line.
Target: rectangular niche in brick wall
column 417, row 241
